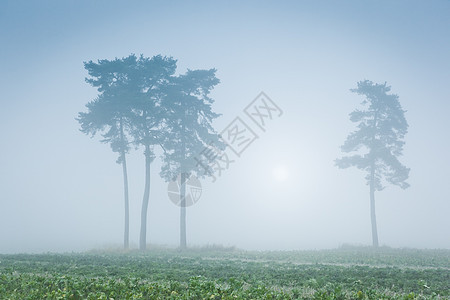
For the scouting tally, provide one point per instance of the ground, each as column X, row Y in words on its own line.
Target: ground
column 226, row 273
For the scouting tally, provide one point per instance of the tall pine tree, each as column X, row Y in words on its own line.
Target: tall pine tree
column 109, row 114
column 188, row 122
column 150, row 78
column 378, row 142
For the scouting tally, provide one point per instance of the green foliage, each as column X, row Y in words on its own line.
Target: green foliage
column 169, row 274
column 381, row 128
column 188, row 123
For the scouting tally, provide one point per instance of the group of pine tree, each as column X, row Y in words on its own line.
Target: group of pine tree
column 142, row 103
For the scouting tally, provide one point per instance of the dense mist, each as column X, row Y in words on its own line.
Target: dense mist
column 63, row 191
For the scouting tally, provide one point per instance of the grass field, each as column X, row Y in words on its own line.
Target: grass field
column 220, row 273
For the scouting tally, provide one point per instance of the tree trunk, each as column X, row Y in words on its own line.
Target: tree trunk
column 183, row 211
column 372, row 207
column 373, row 217
column 126, row 235
column 183, row 179
column 143, row 235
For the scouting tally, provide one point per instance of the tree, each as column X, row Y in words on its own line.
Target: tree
column 150, row 77
column 188, row 118
column 109, row 113
column 379, row 141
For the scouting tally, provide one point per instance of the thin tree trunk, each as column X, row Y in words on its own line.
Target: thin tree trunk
column 183, row 211
column 126, row 235
column 183, row 185
column 143, row 235
column 373, row 217
column 372, row 207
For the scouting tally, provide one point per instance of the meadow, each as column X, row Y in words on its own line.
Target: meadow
column 227, row 273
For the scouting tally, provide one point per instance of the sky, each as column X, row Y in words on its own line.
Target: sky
column 62, row 191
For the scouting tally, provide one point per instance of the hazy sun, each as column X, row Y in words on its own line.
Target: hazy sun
column 280, row 173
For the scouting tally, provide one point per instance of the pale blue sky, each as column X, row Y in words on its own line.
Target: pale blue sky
column 62, row 191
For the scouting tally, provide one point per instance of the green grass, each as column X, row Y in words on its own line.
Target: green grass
column 225, row 273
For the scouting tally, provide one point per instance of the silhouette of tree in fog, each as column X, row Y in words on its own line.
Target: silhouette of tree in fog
column 188, row 130
column 150, row 78
column 140, row 101
column 378, row 142
column 109, row 114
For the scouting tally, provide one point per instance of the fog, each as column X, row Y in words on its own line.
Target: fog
column 63, row 191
